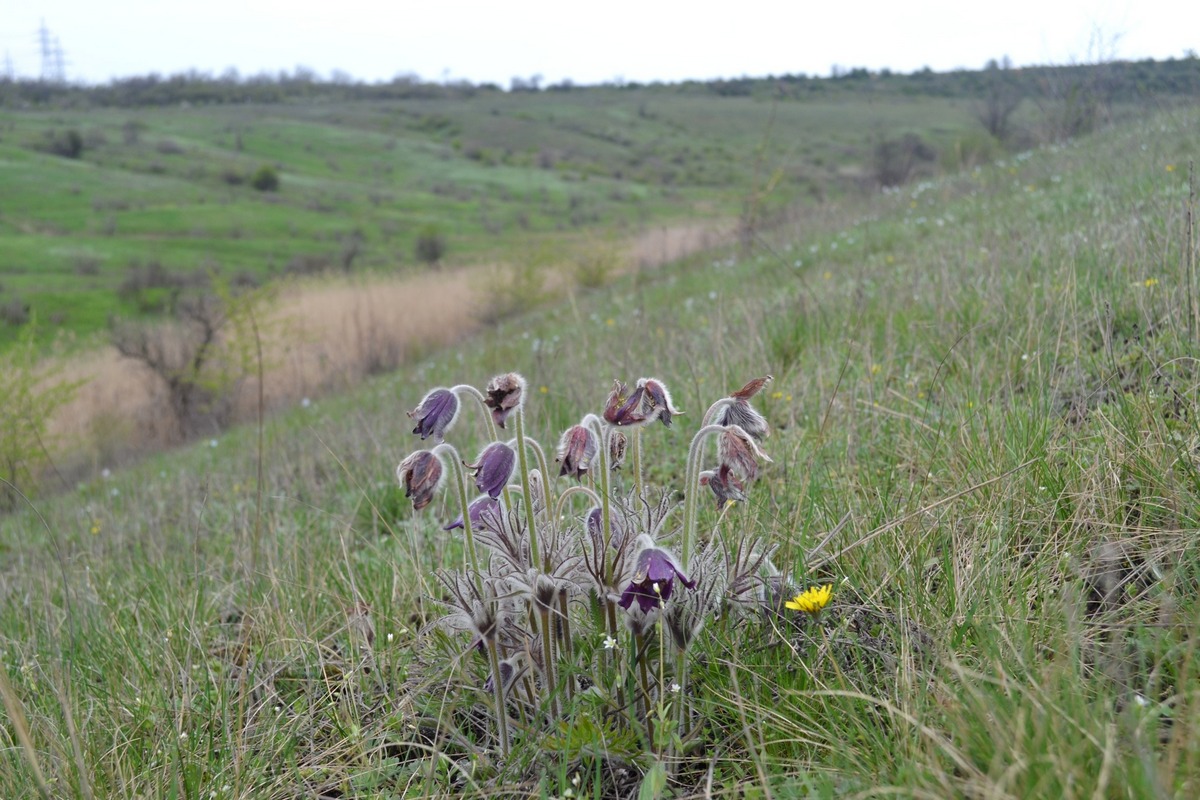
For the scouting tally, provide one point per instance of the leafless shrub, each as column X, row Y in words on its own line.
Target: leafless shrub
column 181, row 356
column 897, row 161
column 1001, row 98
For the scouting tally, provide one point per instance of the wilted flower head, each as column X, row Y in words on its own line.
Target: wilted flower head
column 658, row 399
column 725, row 485
column 595, row 529
column 576, row 450
column 420, row 475
column 738, row 410
column 653, row 577
column 435, row 414
column 738, row 451
column 494, row 468
column 623, row 408
column 504, row 393
column 649, row 401
column 812, row 600
column 616, row 449
column 482, row 511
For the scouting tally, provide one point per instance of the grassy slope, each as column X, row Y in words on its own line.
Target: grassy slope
column 992, row 375
column 497, row 174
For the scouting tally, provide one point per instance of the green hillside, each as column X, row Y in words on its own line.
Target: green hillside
column 159, row 197
column 984, row 438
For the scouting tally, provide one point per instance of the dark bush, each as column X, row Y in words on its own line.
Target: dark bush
column 14, row 312
column 265, row 179
column 68, row 144
column 431, row 245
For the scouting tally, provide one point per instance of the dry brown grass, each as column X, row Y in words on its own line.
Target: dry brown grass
column 321, row 335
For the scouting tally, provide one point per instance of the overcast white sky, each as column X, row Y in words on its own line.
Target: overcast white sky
column 642, row 40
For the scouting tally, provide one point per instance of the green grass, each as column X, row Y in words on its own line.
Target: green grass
column 991, row 378
column 492, row 172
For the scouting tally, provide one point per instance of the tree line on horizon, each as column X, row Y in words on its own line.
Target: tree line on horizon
column 1117, row 81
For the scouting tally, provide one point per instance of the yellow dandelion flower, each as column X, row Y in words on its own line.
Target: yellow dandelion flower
column 610, row 322
column 1170, row 167
column 875, row 369
column 812, row 600
column 777, row 395
column 544, row 389
column 1150, row 282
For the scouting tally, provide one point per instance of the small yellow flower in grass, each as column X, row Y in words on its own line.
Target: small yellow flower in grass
column 1150, row 282
column 812, row 600
column 544, row 390
column 1170, row 167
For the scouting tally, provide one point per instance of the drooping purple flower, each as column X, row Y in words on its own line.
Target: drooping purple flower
column 483, row 510
column 420, row 474
column 658, row 400
column 435, row 414
column 504, row 394
column 737, row 450
column 494, row 468
column 725, row 485
column 739, row 412
column 576, row 450
column 653, row 578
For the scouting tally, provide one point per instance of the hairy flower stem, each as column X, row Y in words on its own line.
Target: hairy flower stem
column 546, row 482
column 460, row 481
column 568, row 646
column 548, row 660
column 644, row 676
column 602, row 432
column 498, row 691
column 527, row 496
column 471, row 391
column 637, row 464
column 570, row 490
column 691, row 488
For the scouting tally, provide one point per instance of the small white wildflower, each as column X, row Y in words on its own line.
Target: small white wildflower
column 212, row 442
column 106, row 472
column 610, row 643
column 305, row 402
column 390, row 637
column 676, row 688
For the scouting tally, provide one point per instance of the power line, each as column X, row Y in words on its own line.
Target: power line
column 53, row 60
column 44, row 45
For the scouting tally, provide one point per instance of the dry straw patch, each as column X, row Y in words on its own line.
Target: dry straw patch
column 326, row 334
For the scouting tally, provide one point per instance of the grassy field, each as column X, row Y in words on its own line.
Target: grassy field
column 984, row 437
column 500, row 177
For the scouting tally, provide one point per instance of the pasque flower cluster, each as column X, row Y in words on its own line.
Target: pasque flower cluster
column 570, row 568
